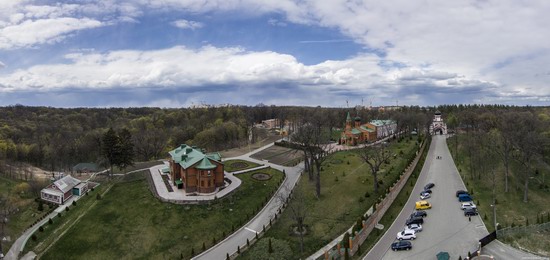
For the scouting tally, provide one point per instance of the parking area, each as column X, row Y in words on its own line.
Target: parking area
column 445, row 227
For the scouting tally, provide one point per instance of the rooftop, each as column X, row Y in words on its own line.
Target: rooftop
column 187, row 156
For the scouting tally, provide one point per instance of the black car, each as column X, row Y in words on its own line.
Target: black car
column 426, row 191
column 470, row 212
column 401, row 245
column 414, row 220
column 458, row 192
column 419, row 213
column 429, row 186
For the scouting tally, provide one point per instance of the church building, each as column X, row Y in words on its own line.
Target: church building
column 438, row 126
column 356, row 133
column 195, row 171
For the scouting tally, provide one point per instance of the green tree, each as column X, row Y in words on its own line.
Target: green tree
column 126, row 157
column 111, row 149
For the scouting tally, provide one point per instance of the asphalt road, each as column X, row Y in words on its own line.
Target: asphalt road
column 445, row 227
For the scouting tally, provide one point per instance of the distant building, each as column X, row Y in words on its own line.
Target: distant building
column 63, row 189
column 271, row 123
column 357, row 133
column 86, row 167
column 438, row 126
column 194, row 171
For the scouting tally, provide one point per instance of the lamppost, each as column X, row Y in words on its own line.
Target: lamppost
column 494, row 216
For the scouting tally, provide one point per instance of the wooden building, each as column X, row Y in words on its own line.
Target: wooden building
column 63, row 189
column 195, row 171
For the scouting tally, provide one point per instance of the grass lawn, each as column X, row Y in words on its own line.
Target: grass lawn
column 238, row 165
column 345, row 180
column 137, row 166
column 129, row 223
column 28, row 209
column 510, row 208
column 279, row 155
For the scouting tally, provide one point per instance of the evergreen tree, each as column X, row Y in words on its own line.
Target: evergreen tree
column 126, row 157
column 269, row 247
column 111, row 147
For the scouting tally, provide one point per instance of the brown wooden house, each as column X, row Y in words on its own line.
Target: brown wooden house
column 195, row 171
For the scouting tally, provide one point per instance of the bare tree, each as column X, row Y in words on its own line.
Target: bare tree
column 503, row 145
column 529, row 144
column 375, row 156
column 296, row 204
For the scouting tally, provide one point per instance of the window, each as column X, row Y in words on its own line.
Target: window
column 202, row 183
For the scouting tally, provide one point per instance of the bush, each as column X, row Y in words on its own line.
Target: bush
column 33, row 237
column 336, row 179
column 41, row 229
column 98, row 196
column 281, row 249
column 361, row 199
column 74, row 202
column 40, row 206
column 367, row 194
column 67, row 208
column 50, row 221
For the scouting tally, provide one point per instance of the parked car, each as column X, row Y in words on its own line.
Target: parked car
column 464, row 198
column 406, row 234
column 401, row 245
column 470, row 212
column 414, row 220
column 429, row 186
column 428, row 191
column 419, row 213
column 416, row 227
column 423, row 205
column 425, row 195
column 458, row 192
column 466, row 205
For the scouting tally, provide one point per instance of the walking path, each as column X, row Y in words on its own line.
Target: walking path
column 255, row 225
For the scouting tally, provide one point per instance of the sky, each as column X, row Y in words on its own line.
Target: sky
column 331, row 53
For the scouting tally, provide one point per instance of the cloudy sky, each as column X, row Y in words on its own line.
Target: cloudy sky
column 174, row 53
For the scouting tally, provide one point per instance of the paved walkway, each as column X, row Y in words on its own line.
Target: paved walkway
column 248, row 231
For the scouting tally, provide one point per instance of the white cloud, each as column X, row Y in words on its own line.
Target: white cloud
column 186, row 24
column 30, row 33
column 2, row 65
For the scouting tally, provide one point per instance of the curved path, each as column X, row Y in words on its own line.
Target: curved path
column 248, row 231
column 445, row 227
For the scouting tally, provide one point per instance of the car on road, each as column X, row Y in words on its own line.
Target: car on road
column 419, row 213
column 464, row 198
column 424, row 191
column 425, row 195
column 458, row 192
column 470, row 212
column 422, row 205
column 406, row 234
column 416, row 227
column 466, row 205
column 429, row 186
column 401, row 245
column 414, row 220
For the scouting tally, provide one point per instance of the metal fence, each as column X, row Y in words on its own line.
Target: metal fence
column 523, row 229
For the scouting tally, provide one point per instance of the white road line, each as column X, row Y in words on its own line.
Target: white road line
column 251, row 230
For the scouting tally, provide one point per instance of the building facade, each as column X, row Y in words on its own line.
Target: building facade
column 63, row 189
column 357, row 133
column 194, row 171
column 438, row 126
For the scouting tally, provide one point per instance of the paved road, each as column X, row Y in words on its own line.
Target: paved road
column 248, row 231
column 445, row 227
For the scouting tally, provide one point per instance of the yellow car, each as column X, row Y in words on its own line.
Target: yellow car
column 423, row 205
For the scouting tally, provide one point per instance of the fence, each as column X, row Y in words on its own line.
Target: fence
column 523, row 229
column 380, row 209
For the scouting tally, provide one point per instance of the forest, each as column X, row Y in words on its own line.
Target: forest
column 56, row 139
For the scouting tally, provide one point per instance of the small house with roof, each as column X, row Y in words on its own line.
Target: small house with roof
column 194, row 171
column 63, row 189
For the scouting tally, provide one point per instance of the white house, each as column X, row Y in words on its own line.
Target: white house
column 61, row 190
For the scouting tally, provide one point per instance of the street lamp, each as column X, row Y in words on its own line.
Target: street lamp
column 494, row 216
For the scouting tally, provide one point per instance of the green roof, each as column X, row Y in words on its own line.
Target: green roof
column 355, row 131
column 348, row 118
column 205, row 164
column 178, row 182
column 187, row 156
column 357, row 118
column 166, row 170
column 367, row 129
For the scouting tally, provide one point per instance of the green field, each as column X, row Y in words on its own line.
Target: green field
column 27, row 212
column 130, row 223
column 510, row 208
column 238, row 165
column 346, row 194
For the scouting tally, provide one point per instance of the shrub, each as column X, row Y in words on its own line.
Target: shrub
column 336, row 179
column 33, row 237
column 98, row 196
column 203, row 246
column 40, row 206
column 67, row 208
column 361, row 199
column 50, row 221
column 367, row 194
column 74, row 202
column 41, row 229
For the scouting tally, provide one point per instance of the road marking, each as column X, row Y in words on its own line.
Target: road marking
column 251, row 230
